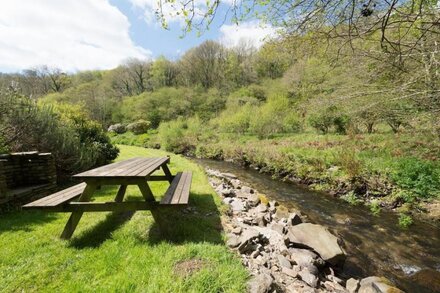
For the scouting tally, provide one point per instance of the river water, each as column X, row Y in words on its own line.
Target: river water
column 375, row 245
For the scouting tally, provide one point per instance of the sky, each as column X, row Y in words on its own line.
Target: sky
column 76, row 35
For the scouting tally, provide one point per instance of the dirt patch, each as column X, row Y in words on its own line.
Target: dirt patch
column 188, row 267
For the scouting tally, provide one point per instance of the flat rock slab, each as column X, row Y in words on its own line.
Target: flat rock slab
column 319, row 239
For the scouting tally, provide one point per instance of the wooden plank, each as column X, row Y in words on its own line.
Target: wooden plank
column 170, row 191
column 178, row 192
column 120, row 168
column 146, row 191
column 81, row 207
column 153, row 168
column 179, row 189
column 102, row 169
column 126, row 169
column 58, row 197
column 121, row 193
column 184, row 196
column 167, row 172
column 76, row 216
column 139, row 168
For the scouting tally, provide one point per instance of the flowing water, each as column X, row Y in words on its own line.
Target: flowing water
column 375, row 245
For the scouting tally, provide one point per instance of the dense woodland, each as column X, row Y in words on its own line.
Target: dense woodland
column 358, row 117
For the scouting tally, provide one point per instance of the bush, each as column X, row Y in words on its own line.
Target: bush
column 292, row 123
column 180, row 136
column 321, row 122
column 139, row 127
column 129, row 138
column 422, row 178
column 76, row 142
column 117, row 128
column 328, row 118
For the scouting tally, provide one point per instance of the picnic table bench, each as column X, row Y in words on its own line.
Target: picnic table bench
column 135, row 171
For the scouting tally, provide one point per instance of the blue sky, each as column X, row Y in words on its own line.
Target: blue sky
column 101, row 34
column 161, row 41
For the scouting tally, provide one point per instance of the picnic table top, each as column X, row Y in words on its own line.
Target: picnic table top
column 132, row 168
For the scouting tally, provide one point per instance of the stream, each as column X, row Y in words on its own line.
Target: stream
column 375, row 245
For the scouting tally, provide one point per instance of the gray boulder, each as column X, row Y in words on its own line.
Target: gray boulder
column 261, row 283
column 319, row 239
column 352, row 285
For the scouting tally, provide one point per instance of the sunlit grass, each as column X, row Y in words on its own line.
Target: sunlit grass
column 121, row 252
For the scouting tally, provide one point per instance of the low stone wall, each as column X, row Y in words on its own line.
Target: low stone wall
column 26, row 175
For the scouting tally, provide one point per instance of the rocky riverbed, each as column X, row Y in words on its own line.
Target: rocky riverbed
column 281, row 249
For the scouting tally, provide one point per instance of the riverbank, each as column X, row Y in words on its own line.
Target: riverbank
column 379, row 171
column 398, row 172
column 280, row 248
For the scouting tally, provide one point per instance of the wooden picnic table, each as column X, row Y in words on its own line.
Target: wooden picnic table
column 136, row 171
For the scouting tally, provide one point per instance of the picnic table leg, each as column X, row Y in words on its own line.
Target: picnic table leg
column 146, row 191
column 121, row 193
column 167, row 172
column 76, row 216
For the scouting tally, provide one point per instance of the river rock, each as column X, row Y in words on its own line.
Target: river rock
column 237, row 230
column 236, row 183
column 281, row 213
column 228, row 176
column 261, row 283
column 305, row 258
column 247, row 240
column 284, row 262
column 294, row 219
column 377, row 285
column 277, row 227
column 233, row 241
column 293, row 272
column 319, row 239
column 352, row 285
column 253, row 200
column 308, row 277
column 247, row 189
column 238, row 205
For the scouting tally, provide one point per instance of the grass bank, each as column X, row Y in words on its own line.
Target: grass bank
column 382, row 170
column 122, row 252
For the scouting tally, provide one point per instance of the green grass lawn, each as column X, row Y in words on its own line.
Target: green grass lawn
column 122, row 252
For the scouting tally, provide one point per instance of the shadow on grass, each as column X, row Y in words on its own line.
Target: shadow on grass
column 95, row 236
column 198, row 222
column 24, row 221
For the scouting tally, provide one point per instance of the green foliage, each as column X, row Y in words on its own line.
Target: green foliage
column 181, row 136
column 374, row 207
column 76, row 142
column 139, row 127
column 129, row 138
column 331, row 116
column 422, row 178
column 351, row 198
column 405, row 220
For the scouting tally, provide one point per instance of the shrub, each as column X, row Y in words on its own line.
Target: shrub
column 292, row 123
column 349, row 161
column 341, row 123
column 330, row 117
column 405, row 220
column 180, row 136
column 76, row 142
column 321, row 122
column 422, row 178
column 117, row 128
column 139, row 127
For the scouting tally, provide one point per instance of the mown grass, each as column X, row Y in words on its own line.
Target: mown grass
column 121, row 252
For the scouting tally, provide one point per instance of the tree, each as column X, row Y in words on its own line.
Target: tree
column 163, row 73
column 133, row 77
column 204, row 65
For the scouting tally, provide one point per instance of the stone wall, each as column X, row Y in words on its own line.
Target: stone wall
column 26, row 175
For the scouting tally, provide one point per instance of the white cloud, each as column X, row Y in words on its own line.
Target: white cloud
column 71, row 35
column 249, row 32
